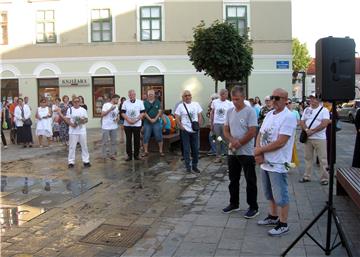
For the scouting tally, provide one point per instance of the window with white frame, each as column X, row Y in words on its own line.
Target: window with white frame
column 150, row 23
column 101, row 25
column 45, row 26
column 3, row 28
column 237, row 16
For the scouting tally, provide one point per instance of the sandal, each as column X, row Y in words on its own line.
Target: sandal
column 162, row 154
column 145, row 154
column 324, row 183
column 304, row 180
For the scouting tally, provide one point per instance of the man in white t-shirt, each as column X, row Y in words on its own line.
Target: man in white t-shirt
column 132, row 111
column 109, row 125
column 219, row 108
column 76, row 118
column 274, row 151
column 189, row 137
column 316, row 139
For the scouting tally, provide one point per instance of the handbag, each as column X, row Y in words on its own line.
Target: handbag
column 27, row 122
column 303, row 135
column 194, row 124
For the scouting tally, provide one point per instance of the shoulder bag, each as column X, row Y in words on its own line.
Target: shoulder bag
column 194, row 124
column 303, row 135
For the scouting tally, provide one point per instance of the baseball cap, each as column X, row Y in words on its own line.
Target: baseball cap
column 312, row 95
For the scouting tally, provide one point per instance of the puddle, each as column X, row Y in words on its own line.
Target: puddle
column 16, row 216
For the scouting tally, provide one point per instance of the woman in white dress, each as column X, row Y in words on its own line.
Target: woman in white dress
column 43, row 126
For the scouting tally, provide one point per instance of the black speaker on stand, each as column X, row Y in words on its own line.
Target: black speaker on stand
column 335, row 81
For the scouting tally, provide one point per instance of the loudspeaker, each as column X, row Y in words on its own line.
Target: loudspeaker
column 335, row 69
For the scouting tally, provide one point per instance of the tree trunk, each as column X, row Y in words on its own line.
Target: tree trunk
column 216, row 86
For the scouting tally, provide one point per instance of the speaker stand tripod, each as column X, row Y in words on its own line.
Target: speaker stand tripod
column 329, row 208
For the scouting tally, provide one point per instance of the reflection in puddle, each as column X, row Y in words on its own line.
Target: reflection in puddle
column 16, row 216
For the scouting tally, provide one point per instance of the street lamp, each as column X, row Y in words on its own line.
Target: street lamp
column 303, row 73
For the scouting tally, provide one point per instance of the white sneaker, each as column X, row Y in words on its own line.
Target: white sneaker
column 279, row 230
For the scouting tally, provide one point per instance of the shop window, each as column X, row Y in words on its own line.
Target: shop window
column 9, row 89
column 103, row 89
column 49, row 89
column 156, row 83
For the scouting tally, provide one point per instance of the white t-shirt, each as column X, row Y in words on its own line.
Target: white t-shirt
column 109, row 120
column 283, row 123
column 220, row 109
column 133, row 110
column 74, row 114
column 194, row 109
column 309, row 115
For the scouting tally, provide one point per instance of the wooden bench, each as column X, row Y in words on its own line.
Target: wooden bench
column 169, row 142
column 348, row 183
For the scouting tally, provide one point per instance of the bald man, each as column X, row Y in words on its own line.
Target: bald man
column 273, row 150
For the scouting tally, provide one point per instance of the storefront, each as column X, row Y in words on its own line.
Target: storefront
column 9, row 89
column 156, row 83
column 102, row 88
column 48, row 88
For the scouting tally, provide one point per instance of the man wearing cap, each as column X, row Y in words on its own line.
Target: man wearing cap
column 320, row 117
column 265, row 109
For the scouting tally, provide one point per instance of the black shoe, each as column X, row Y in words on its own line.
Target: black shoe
column 251, row 213
column 128, row 159
column 137, row 158
column 87, row 165
column 230, row 209
column 70, row 165
column 196, row 170
column 188, row 170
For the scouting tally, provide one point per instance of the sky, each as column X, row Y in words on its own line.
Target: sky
column 315, row 19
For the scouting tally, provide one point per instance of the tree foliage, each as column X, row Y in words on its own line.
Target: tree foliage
column 301, row 56
column 220, row 52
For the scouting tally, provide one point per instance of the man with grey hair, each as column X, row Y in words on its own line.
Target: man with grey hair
column 219, row 108
column 185, row 114
column 132, row 111
column 240, row 130
column 273, row 152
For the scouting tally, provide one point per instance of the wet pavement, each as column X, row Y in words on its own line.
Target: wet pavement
column 48, row 210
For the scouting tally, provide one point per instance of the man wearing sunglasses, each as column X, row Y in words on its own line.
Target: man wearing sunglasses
column 273, row 150
column 185, row 114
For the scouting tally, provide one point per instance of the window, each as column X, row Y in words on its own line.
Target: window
column 9, row 89
column 103, row 89
column 45, row 26
column 237, row 16
column 156, row 83
column 3, row 28
column 101, row 26
column 150, row 23
column 49, row 89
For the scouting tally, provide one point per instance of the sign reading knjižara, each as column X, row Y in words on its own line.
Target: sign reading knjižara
column 76, row 82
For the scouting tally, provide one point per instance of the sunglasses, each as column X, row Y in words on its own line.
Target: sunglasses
column 276, row 97
column 187, row 95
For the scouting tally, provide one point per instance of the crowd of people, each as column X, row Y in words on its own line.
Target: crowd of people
column 243, row 131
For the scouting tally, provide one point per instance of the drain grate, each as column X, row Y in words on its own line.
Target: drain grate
column 116, row 236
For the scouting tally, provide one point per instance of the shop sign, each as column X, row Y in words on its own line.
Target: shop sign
column 74, row 82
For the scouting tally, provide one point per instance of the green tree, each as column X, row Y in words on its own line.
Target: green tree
column 301, row 57
column 220, row 52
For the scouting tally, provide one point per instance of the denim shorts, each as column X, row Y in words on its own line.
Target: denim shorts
column 275, row 186
column 152, row 129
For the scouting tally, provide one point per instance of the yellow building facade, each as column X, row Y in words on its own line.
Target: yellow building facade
column 95, row 48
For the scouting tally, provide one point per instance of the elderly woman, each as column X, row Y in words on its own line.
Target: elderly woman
column 43, row 126
column 22, row 115
column 64, row 127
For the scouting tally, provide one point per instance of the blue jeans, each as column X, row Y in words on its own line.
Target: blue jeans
column 152, row 128
column 190, row 141
column 275, row 187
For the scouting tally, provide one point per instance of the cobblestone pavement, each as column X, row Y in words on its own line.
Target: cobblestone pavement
column 180, row 212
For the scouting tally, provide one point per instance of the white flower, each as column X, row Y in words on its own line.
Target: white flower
column 292, row 165
column 219, row 138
